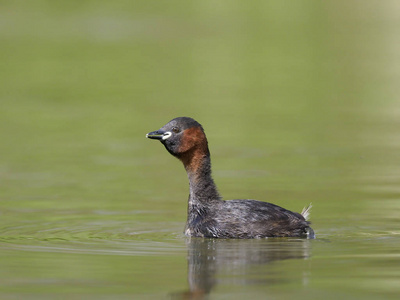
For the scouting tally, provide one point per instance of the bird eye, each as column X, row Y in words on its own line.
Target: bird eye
column 175, row 129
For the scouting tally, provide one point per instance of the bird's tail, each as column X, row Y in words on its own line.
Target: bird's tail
column 306, row 214
column 306, row 211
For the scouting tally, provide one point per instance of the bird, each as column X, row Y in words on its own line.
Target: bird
column 208, row 215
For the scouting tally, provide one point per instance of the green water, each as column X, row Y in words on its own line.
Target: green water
column 299, row 100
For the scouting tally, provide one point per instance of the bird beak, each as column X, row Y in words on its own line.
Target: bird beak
column 155, row 135
column 159, row 135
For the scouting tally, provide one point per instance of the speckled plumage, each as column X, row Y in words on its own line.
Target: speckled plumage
column 208, row 214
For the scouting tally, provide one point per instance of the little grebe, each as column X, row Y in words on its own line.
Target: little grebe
column 209, row 215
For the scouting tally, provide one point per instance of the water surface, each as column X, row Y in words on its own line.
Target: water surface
column 299, row 102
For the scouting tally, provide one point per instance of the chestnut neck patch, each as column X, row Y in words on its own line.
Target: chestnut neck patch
column 193, row 148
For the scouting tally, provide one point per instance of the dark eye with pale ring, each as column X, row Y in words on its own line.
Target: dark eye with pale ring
column 175, row 129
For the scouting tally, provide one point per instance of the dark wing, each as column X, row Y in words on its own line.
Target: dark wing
column 251, row 218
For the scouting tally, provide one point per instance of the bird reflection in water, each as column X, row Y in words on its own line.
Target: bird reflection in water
column 208, row 258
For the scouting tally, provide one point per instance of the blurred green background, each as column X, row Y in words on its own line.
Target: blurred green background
column 299, row 100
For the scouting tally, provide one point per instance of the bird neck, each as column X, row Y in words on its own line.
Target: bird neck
column 202, row 187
